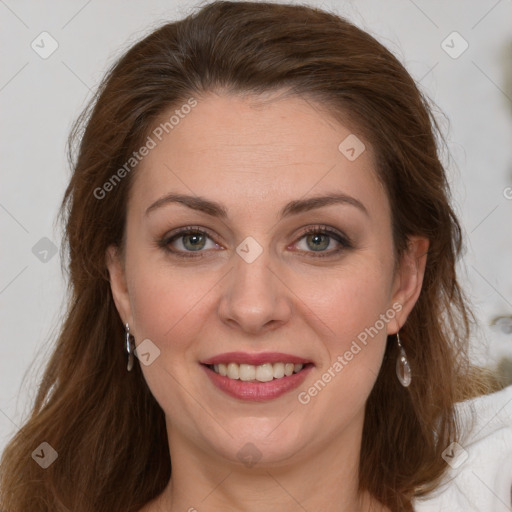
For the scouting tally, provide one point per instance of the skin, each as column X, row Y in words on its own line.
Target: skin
column 253, row 157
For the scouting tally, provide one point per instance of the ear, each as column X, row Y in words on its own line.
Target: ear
column 118, row 285
column 408, row 280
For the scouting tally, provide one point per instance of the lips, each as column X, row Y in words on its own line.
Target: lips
column 257, row 391
column 249, row 389
column 254, row 359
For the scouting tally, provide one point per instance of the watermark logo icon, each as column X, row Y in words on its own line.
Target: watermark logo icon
column 147, row 352
column 44, row 45
column 45, row 455
column 351, row 147
column 249, row 249
column 249, row 454
column 454, row 45
column 44, row 250
column 455, row 455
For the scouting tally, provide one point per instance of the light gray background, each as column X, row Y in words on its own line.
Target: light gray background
column 39, row 99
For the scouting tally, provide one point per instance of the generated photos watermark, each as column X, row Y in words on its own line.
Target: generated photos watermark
column 152, row 141
column 343, row 360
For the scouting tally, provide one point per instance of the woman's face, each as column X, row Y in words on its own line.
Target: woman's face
column 252, row 178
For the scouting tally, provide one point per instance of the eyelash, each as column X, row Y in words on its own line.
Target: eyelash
column 322, row 230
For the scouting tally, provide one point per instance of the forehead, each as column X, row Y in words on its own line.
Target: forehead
column 242, row 149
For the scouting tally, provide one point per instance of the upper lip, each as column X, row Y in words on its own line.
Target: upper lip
column 255, row 359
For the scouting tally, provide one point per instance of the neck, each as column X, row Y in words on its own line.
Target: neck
column 318, row 478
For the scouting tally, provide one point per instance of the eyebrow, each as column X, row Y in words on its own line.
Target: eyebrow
column 292, row 208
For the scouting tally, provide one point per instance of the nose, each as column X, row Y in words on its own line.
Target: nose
column 255, row 297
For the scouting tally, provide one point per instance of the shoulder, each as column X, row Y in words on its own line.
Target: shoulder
column 480, row 473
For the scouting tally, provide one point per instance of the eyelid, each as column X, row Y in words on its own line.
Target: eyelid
column 331, row 232
column 324, row 229
column 181, row 232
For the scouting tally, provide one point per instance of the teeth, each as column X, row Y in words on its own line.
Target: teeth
column 233, row 371
column 278, row 370
column 247, row 372
column 262, row 373
column 265, row 372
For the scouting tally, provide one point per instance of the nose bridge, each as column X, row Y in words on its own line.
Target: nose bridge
column 254, row 298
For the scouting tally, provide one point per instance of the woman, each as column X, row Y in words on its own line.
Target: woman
column 262, row 260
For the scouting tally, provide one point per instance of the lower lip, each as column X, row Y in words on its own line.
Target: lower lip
column 258, row 391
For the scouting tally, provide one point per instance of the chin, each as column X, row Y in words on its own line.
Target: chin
column 262, row 441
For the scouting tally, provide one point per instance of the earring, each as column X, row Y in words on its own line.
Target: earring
column 130, row 342
column 403, row 370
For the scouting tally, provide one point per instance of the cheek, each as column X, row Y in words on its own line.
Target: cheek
column 350, row 300
column 171, row 303
column 351, row 313
column 175, row 306
column 166, row 301
column 170, row 308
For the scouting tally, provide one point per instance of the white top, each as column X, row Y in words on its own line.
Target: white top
column 480, row 476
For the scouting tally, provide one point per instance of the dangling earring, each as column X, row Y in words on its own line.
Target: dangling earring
column 130, row 342
column 403, row 370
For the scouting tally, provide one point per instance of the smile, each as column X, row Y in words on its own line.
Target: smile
column 254, row 389
column 261, row 373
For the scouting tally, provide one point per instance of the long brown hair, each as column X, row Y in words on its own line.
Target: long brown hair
column 95, row 415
